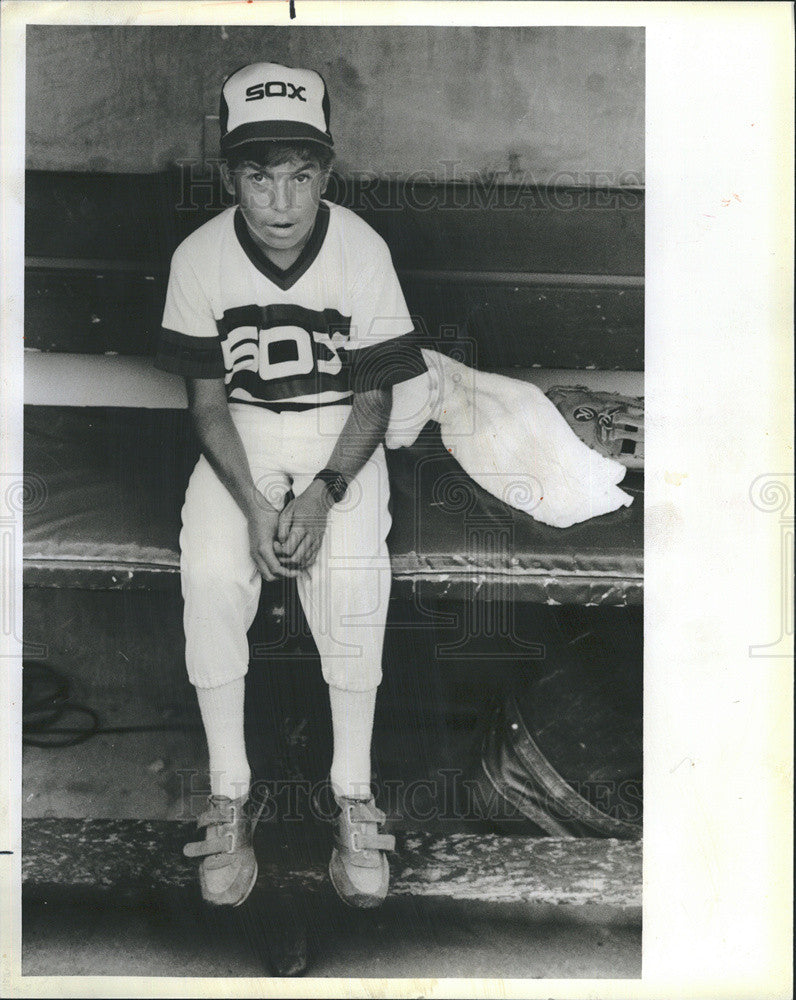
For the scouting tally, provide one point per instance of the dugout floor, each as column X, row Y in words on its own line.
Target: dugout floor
column 82, row 934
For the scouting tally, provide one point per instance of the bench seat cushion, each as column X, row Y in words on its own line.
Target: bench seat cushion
column 449, row 532
column 111, row 481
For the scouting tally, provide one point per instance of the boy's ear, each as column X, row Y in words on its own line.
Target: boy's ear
column 226, row 177
column 325, row 175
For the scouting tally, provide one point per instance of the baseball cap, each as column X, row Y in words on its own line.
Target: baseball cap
column 266, row 101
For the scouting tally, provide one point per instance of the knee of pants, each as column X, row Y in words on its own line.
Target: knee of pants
column 220, row 580
column 219, row 608
column 211, row 666
column 354, row 661
column 218, row 602
column 216, row 622
column 216, row 568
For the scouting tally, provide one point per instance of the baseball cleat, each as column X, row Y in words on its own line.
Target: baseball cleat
column 228, row 870
column 358, row 867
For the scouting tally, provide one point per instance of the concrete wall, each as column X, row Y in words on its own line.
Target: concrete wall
column 544, row 104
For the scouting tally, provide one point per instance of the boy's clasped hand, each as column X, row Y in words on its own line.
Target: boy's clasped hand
column 285, row 543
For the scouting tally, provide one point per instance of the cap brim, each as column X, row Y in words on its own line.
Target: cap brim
column 273, row 131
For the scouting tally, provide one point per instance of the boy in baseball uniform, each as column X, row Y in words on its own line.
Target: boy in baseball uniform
column 285, row 316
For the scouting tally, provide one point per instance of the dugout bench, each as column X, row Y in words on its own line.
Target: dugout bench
column 543, row 284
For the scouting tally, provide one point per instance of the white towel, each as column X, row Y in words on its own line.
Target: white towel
column 509, row 438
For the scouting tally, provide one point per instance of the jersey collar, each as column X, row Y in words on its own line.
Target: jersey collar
column 287, row 278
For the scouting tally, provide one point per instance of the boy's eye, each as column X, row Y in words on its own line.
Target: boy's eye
column 302, row 178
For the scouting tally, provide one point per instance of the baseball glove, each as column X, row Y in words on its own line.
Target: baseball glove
column 609, row 423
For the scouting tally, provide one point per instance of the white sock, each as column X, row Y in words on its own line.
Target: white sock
column 352, row 728
column 222, row 715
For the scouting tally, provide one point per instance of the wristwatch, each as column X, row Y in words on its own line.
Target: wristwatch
column 335, row 482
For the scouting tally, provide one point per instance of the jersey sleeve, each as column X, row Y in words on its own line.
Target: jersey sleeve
column 189, row 342
column 385, row 345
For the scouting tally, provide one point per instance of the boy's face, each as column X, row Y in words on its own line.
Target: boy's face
column 279, row 203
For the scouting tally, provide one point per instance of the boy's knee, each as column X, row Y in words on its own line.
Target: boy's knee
column 218, row 577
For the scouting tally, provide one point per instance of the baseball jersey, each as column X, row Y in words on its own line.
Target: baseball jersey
column 333, row 323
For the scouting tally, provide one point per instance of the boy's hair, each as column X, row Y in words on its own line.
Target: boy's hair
column 274, row 154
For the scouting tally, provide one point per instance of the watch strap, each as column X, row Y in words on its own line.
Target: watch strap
column 335, row 482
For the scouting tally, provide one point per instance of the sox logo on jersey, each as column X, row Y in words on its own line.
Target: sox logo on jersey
column 283, row 341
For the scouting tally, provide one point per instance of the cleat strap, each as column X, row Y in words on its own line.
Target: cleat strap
column 365, row 812
column 356, row 840
column 211, row 819
column 378, row 842
column 213, row 845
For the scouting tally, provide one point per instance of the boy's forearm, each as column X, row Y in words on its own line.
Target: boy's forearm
column 223, row 449
column 362, row 432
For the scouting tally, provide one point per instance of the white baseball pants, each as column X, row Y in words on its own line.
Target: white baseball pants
column 346, row 592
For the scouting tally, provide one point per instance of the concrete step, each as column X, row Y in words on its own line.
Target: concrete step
column 134, row 855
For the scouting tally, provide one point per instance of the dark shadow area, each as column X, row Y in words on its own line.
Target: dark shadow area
column 169, row 933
